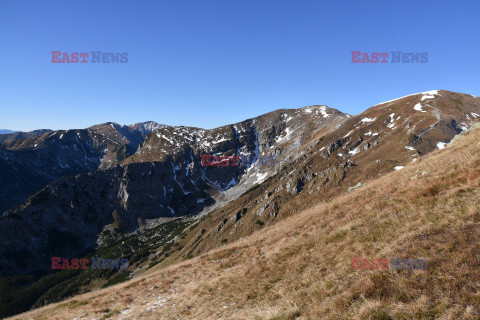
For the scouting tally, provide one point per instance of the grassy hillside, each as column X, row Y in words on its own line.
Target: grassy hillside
column 300, row 268
column 383, row 137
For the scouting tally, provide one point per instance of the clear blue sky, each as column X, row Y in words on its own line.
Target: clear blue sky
column 207, row 63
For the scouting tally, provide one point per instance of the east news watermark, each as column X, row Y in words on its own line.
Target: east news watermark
column 209, row 160
column 359, row 263
column 389, row 57
column 92, row 57
column 97, row 263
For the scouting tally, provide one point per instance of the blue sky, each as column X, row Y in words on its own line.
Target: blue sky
column 208, row 63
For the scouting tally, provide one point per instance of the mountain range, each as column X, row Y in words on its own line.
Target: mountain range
column 77, row 193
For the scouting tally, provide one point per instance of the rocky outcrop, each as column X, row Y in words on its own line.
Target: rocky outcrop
column 360, row 148
column 29, row 161
column 10, row 137
column 65, row 218
column 355, row 187
column 321, row 152
column 164, row 178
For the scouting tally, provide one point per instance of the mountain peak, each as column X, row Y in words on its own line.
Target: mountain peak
column 147, row 127
column 296, row 157
column 324, row 110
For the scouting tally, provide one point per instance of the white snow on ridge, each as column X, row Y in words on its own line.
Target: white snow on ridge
column 426, row 95
column 429, row 94
column 162, row 136
column 288, row 131
column 323, row 110
column 348, row 134
column 399, row 168
column 391, row 125
column 221, row 140
column 441, row 145
column 397, row 99
column 151, row 126
column 365, row 120
column 410, row 148
column 261, row 177
column 418, row 107
column 354, row 151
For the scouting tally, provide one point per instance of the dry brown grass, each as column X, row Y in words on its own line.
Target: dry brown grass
column 300, row 268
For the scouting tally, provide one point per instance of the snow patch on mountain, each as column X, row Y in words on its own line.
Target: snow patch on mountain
column 418, row 107
column 354, row 151
column 366, row 120
column 396, row 99
column 441, row 145
column 429, row 94
column 323, row 110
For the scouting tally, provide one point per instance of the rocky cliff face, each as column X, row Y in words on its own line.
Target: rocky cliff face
column 130, row 137
column 12, row 136
column 29, row 161
column 385, row 137
column 164, row 178
column 66, row 217
column 320, row 151
column 111, row 183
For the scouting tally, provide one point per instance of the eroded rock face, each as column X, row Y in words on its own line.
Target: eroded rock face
column 360, row 148
column 10, row 137
column 29, row 161
column 65, row 218
column 355, row 187
column 320, row 150
column 28, row 165
column 164, row 178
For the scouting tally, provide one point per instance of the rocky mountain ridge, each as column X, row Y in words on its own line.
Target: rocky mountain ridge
column 305, row 266
column 384, row 138
column 6, row 131
column 321, row 152
column 12, row 136
column 172, row 184
column 29, row 161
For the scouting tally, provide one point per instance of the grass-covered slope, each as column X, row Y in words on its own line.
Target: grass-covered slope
column 300, row 268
